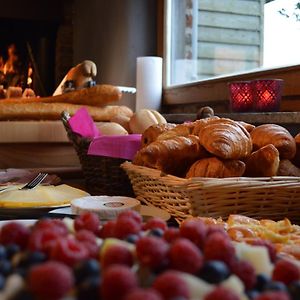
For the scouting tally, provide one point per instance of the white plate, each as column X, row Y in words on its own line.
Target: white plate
column 145, row 211
column 26, row 222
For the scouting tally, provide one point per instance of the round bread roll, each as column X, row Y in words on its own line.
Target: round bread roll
column 111, row 128
column 143, row 119
column 122, row 120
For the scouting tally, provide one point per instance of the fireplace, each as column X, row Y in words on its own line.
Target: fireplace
column 35, row 44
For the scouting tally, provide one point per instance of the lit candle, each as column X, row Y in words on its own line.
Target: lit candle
column 241, row 99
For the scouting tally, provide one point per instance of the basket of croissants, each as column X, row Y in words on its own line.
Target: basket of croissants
column 217, row 167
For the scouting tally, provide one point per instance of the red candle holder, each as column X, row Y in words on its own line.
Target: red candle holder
column 267, row 94
column 241, row 98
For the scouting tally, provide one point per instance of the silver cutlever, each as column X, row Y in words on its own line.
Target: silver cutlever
column 126, row 89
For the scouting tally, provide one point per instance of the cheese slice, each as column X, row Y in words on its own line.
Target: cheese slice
column 41, row 196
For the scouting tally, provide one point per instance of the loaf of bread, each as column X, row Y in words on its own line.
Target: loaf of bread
column 172, row 156
column 263, row 163
column 278, row 136
column 216, row 168
column 225, row 139
column 52, row 111
column 152, row 132
column 98, row 95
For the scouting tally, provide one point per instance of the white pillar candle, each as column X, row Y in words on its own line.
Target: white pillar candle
column 148, row 82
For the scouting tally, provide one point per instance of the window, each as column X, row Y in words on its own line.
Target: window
column 209, row 39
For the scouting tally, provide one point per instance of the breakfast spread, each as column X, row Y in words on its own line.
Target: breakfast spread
column 128, row 258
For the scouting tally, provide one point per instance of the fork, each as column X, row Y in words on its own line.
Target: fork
column 30, row 185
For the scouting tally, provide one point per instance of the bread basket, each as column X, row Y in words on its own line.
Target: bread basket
column 272, row 197
column 103, row 175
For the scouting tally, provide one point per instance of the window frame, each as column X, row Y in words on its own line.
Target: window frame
column 214, row 91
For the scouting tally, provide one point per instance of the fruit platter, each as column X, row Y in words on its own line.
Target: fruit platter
column 130, row 258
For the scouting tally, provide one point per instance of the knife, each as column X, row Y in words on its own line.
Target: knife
column 127, row 89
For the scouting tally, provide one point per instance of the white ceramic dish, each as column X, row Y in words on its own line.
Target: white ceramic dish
column 145, row 211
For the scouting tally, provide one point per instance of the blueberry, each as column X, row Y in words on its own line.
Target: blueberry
column 2, row 282
column 275, row 286
column 32, row 258
column 89, row 268
column 132, row 238
column 294, row 290
column 252, row 294
column 261, row 281
column 3, row 253
column 89, row 289
column 156, row 232
column 11, row 250
column 214, row 271
column 5, row 267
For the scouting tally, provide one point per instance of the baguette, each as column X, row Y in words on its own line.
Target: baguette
column 52, row 111
column 98, row 95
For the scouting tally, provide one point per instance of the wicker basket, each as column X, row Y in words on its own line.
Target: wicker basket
column 103, row 175
column 274, row 197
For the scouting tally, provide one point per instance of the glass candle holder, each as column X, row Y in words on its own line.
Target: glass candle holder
column 241, row 98
column 267, row 94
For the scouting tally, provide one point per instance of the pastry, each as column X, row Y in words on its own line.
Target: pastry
column 287, row 168
column 216, row 168
column 111, row 128
column 263, row 162
column 152, row 132
column 184, row 129
column 225, row 139
column 172, row 156
column 52, row 111
column 296, row 159
column 249, row 127
column 278, row 136
column 199, row 124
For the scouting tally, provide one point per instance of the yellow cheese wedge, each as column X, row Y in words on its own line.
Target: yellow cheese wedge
column 43, row 195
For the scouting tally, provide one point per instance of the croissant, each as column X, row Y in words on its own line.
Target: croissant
column 226, row 139
column 216, row 168
column 296, row 159
column 152, row 132
column 278, row 136
column 249, row 127
column 263, row 162
column 199, row 124
column 287, row 168
column 172, row 156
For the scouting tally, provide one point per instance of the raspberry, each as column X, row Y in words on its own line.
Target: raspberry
column 117, row 281
column 273, row 296
column 285, row 271
column 88, row 221
column 88, row 239
column 14, row 233
column 171, row 286
column 131, row 214
column 219, row 247
column 56, row 225
column 155, row 223
column 269, row 245
column 222, row 293
column 68, row 251
column 43, row 240
column 171, row 234
column 108, row 229
column 147, row 294
column 126, row 226
column 152, row 251
column 116, row 254
column 185, row 256
column 245, row 271
column 50, row 280
column 194, row 230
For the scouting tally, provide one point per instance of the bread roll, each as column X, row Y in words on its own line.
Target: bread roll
column 111, row 128
column 225, row 139
column 216, row 168
column 263, row 163
column 52, row 111
column 278, row 136
column 287, row 168
column 152, row 132
column 143, row 119
column 172, row 156
column 122, row 120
